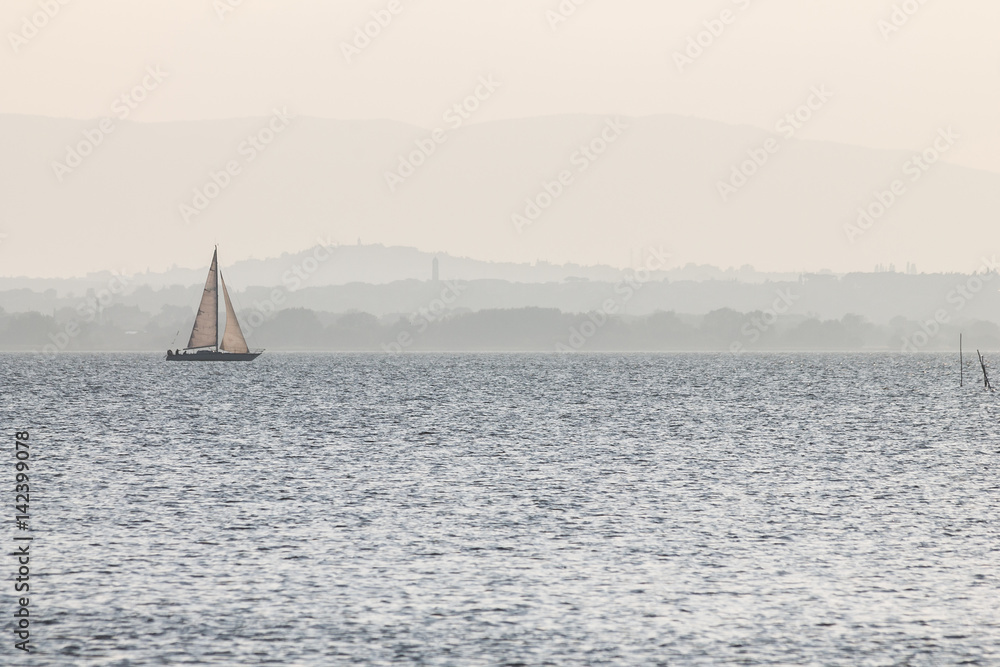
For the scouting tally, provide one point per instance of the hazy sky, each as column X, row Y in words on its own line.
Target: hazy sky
column 892, row 89
column 608, row 57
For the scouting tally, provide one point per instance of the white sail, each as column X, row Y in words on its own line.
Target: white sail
column 232, row 338
column 206, row 324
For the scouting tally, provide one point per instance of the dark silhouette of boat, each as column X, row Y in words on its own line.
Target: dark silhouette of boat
column 204, row 342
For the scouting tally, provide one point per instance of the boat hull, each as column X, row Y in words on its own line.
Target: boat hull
column 212, row 355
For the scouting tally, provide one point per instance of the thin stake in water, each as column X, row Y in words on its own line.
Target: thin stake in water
column 986, row 378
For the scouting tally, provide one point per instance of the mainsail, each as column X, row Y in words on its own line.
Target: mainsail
column 206, row 325
column 232, row 338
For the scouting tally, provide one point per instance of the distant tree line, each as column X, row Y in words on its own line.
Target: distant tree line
column 127, row 328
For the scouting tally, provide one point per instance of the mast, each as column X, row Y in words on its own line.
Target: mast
column 215, row 266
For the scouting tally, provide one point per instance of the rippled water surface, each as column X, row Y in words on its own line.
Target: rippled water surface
column 508, row 509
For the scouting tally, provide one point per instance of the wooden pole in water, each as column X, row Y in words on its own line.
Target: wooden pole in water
column 961, row 364
column 986, row 378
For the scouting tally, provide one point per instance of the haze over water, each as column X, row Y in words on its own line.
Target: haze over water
column 511, row 509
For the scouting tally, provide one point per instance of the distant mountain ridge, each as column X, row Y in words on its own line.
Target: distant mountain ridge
column 322, row 266
column 655, row 185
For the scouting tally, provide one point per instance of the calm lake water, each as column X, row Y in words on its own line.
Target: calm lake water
column 507, row 510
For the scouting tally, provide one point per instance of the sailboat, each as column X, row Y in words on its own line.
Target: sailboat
column 204, row 342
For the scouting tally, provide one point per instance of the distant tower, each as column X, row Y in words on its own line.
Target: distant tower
column 434, row 270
